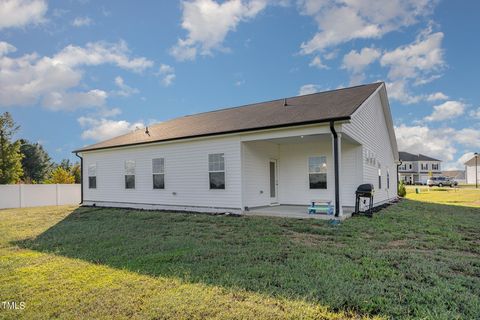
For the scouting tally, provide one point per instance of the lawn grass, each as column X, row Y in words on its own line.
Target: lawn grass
column 469, row 197
column 413, row 260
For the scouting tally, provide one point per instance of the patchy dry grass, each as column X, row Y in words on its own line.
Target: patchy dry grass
column 413, row 260
column 469, row 197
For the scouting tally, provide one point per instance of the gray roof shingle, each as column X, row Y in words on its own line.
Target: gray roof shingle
column 319, row 107
column 406, row 156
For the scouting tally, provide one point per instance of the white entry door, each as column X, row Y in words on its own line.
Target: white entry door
column 273, row 181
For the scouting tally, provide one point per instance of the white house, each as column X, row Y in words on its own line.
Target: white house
column 281, row 152
column 416, row 168
column 472, row 170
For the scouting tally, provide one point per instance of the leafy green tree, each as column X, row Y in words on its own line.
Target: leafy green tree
column 10, row 155
column 36, row 162
column 76, row 172
column 60, row 175
column 65, row 164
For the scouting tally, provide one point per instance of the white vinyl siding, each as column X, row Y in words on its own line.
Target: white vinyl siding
column 470, row 172
column 186, row 178
column 369, row 127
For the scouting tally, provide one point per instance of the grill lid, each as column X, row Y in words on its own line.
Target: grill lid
column 367, row 187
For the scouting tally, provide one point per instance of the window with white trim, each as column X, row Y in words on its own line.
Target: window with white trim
column 388, row 178
column 379, row 176
column 434, row 166
column 424, row 166
column 317, row 172
column 216, row 170
column 130, row 174
column 92, row 176
column 158, row 173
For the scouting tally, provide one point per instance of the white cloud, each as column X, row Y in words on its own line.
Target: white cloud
column 416, row 60
column 468, row 137
column 106, row 112
column 475, row 113
column 437, row 96
column 447, row 110
column 437, row 143
column 308, row 89
column 343, row 21
column 317, row 62
column 74, row 100
column 397, row 90
column 55, row 81
column 460, row 163
column 123, row 89
column 20, row 13
column 82, row 22
column 208, row 23
column 167, row 73
column 6, row 48
column 103, row 129
column 96, row 53
column 356, row 62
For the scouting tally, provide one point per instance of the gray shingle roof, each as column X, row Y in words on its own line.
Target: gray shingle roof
column 406, row 156
column 319, row 107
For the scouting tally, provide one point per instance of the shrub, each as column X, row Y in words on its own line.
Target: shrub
column 402, row 192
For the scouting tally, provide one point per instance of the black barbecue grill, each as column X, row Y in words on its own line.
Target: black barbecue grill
column 364, row 191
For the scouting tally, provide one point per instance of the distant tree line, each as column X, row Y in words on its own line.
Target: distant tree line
column 22, row 161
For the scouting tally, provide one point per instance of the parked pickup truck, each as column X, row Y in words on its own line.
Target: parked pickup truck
column 441, row 181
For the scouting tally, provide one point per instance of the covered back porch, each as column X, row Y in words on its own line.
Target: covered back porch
column 281, row 175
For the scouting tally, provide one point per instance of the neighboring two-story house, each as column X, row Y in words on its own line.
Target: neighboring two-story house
column 416, row 168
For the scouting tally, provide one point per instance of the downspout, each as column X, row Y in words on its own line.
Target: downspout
column 81, row 178
column 335, row 166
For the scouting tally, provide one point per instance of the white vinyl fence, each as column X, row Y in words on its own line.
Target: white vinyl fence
column 33, row 195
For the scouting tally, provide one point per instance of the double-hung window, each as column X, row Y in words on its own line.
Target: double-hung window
column 158, row 173
column 92, row 176
column 388, row 179
column 130, row 174
column 434, row 166
column 216, row 170
column 379, row 176
column 317, row 172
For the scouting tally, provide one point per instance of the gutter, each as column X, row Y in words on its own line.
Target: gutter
column 81, row 178
column 336, row 169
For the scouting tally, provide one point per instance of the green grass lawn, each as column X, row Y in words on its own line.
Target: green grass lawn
column 412, row 260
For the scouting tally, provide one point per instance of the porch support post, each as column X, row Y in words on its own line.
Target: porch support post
column 336, row 143
column 242, row 177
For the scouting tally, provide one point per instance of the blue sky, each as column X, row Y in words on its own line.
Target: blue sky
column 76, row 72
